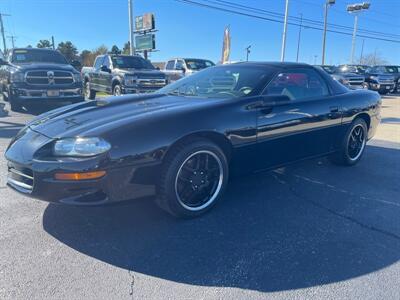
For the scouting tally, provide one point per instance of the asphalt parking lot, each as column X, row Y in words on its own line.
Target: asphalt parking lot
column 310, row 230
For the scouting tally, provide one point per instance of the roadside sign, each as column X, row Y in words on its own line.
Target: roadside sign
column 145, row 42
column 145, row 22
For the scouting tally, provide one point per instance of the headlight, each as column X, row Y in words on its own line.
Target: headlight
column 77, row 77
column 130, row 80
column 81, row 146
column 17, row 77
column 374, row 78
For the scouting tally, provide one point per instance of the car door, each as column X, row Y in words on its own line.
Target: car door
column 95, row 79
column 306, row 124
column 105, row 76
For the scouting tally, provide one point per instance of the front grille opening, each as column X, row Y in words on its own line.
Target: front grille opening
column 20, row 177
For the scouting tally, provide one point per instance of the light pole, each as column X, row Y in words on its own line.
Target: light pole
column 356, row 9
column 284, row 31
column 327, row 4
column 299, row 38
column 131, row 37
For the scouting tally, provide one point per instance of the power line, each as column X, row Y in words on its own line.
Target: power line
column 305, row 20
column 280, row 21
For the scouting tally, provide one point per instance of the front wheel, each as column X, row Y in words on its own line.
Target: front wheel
column 193, row 178
column 14, row 104
column 89, row 93
column 117, row 91
column 353, row 144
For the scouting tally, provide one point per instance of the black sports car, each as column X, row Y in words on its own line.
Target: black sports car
column 181, row 143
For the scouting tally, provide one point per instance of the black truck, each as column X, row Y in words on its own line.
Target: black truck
column 390, row 70
column 30, row 75
column 121, row 74
column 380, row 80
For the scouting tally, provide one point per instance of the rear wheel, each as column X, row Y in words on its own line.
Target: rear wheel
column 353, row 144
column 89, row 93
column 193, row 178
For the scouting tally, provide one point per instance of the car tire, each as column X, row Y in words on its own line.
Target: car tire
column 15, row 105
column 193, row 178
column 117, row 91
column 383, row 92
column 89, row 93
column 353, row 144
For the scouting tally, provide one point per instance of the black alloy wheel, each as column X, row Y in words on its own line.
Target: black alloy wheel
column 353, row 144
column 193, row 178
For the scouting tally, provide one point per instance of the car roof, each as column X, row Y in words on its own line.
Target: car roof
column 39, row 49
column 275, row 64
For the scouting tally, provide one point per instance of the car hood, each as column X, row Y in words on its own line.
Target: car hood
column 142, row 73
column 44, row 66
column 350, row 75
column 96, row 117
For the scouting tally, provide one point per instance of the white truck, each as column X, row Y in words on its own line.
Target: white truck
column 176, row 68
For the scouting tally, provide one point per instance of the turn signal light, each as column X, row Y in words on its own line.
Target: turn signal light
column 79, row 176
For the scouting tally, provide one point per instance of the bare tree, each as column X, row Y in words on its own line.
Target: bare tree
column 372, row 59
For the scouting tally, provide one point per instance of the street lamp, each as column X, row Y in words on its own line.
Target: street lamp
column 248, row 52
column 327, row 4
column 356, row 9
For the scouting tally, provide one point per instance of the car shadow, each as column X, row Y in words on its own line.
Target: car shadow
column 262, row 236
column 9, row 129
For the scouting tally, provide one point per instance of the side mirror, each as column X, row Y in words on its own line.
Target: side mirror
column 76, row 64
column 3, row 62
column 180, row 68
column 105, row 69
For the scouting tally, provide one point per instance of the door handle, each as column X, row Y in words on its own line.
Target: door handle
column 334, row 109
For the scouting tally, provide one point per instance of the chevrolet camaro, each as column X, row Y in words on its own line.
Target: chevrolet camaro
column 180, row 144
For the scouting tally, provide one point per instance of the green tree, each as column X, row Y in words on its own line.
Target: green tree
column 44, row 44
column 115, row 50
column 126, row 49
column 68, row 50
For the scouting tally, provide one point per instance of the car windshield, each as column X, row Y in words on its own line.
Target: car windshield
column 198, row 64
column 392, row 69
column 131, row 62
column 353, row 69
column 25, row 56
column 329, row 69
column 221, row 82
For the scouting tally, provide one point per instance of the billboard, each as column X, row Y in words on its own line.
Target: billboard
column 145, row 22
column 145, row 42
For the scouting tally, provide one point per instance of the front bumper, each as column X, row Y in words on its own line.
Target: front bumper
column 23, row 92
column 381, row 87
column 35, row 177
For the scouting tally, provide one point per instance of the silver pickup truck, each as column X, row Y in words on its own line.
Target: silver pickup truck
column 176, row 68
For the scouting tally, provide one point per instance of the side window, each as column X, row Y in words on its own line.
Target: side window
column 298, row 84
column 98, row 62
column 106, row 61
column 179, row 65
column 170, row 65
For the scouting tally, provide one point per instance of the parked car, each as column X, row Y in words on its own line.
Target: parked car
column 181, row 143
column 177, row 68
column 121, row 74
column 379, row 80
column 30, row 75
column 392, row 70
column 351, row 80
column 355, row 69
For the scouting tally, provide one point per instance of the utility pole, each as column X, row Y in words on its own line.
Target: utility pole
column 131, row 37
column 299, row 38
column 248, row 52
column 12, row 38
column 52, row 42
column 315, row 59
column 327, row 4
column 284, row 31
column 2, row 31
column 353, row 40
